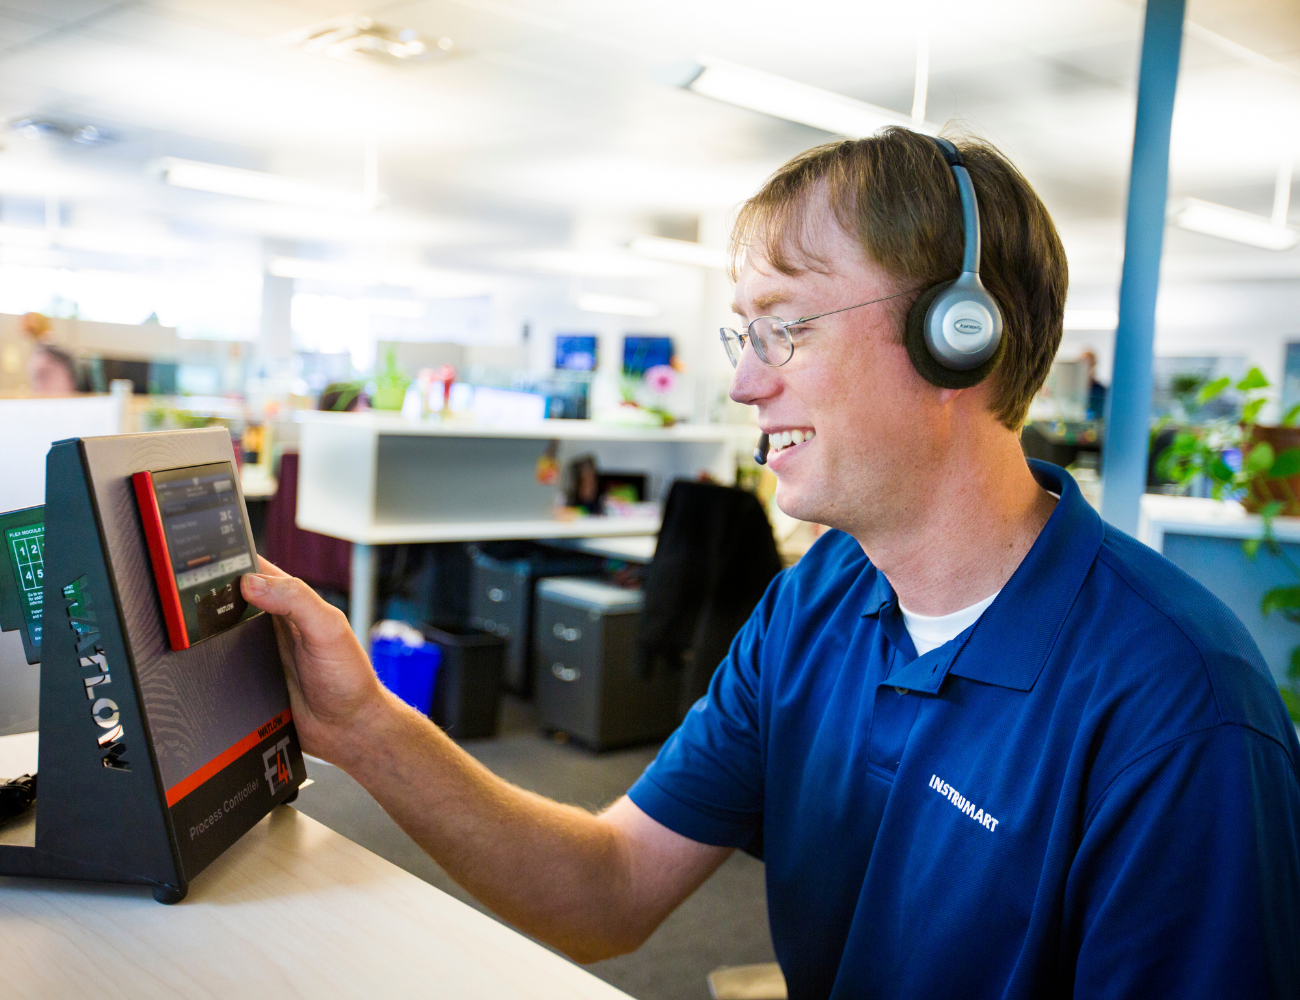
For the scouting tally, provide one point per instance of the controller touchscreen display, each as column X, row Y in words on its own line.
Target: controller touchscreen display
column 207, row 549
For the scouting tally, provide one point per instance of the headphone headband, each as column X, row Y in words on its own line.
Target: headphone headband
column 950, row 152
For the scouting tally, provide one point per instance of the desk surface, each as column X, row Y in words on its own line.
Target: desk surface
column 1162, row 515
column 632, row 548
column 393, row 424
column 292, row 910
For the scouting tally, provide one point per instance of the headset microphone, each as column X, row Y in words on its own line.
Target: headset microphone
column 760, row 453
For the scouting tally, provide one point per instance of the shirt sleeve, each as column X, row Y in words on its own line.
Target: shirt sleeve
column 1187, row 880
column 707, row 781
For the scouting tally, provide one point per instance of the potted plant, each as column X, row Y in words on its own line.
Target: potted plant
column 390, row 385
column 1239, row 458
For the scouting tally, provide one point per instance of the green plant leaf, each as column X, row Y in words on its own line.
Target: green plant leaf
column 1212, row 389
column 1292, row 702
column 1220, row 471
column 1251, row 410
column 1293, row 668
column 1260, row 459
column 1254, row 379
column 1291, row 416
column 1279, row 598
column 1251, row 547
column 1286, row 464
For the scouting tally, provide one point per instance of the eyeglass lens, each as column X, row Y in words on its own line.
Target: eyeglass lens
column 770, row 338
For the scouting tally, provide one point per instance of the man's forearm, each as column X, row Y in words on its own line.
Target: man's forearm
column 555, row 871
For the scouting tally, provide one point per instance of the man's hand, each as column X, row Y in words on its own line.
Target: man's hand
column 332, row 687
column 593, row 886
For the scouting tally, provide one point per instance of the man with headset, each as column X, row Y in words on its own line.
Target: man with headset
column 985, row 744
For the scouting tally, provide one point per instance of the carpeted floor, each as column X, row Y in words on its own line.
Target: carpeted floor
column 723, row 923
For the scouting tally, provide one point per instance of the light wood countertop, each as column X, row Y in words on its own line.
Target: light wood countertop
column 292, row 910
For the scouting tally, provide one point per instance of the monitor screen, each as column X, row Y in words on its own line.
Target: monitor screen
column 24, row 587
column 575, row 352
column 197, row 515
column 641, row 353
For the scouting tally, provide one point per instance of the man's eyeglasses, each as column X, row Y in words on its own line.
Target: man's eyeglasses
column 770, row 335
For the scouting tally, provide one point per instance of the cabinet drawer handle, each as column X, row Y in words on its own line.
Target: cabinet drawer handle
column 498, row 595
column 562, row 631
column 566, row 674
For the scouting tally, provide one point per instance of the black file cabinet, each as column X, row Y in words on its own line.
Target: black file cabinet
column 501, row 600
column 589, row 681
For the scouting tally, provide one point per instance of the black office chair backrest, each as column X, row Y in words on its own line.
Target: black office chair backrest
column 715, row 558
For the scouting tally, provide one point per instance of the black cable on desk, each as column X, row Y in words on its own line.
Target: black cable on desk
column 17, row 795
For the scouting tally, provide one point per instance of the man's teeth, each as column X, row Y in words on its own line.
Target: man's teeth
column 784, row 439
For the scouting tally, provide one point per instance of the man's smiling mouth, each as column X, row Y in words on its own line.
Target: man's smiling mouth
column 779, row 441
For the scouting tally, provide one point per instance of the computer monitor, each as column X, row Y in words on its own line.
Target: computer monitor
column 575, row 352
column 642, row 352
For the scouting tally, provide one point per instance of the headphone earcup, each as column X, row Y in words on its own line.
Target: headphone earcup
column 923, row 360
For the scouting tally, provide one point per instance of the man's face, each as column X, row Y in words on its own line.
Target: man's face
column 875, row 422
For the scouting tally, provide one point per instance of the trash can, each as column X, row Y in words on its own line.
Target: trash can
column 467, row 695
column 406, row 663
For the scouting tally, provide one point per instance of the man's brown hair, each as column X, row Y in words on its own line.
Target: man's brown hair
column 897, row 195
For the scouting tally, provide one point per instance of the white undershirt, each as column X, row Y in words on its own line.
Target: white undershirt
column 932, row 632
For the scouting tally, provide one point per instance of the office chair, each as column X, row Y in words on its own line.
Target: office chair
column 322, row 561
column 714, row 559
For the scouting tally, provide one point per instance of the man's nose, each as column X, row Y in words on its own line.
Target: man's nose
column 753, row 382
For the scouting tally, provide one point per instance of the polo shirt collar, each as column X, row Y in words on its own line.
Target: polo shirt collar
column 1009, row 644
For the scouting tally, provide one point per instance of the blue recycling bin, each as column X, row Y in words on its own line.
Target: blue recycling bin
column 408, row 671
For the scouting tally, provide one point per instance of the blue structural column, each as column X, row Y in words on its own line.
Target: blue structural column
column 1128, row 406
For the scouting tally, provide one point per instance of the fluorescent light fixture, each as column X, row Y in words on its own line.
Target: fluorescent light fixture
column 1091, row 319
column 1233, row 224
column 678, row 252
column 422, row 280
column 97, row 241
column 23, row 236
column 260, row 186
column 784, row 98
column 584, row 263
column 616, row 305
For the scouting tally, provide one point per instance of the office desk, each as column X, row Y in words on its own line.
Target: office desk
column 292, row 910
column 1203, row 538
column 377, row 479
column 629, row 548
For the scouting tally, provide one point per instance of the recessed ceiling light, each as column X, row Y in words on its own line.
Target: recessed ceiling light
column 785, row 98
column 1233, row 224
column 85, row 135
column 363, row 36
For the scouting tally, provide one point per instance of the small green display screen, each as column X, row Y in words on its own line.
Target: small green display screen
column 26, row 545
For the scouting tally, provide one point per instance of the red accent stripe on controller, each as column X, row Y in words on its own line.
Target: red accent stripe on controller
column 170, row 597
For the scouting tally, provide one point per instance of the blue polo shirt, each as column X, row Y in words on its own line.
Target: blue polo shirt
column 1092, row 791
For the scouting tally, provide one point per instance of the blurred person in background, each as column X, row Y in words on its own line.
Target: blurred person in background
column 1096, row 391
column 51, row 371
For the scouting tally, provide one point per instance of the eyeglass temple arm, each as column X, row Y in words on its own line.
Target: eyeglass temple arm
column 872, row 302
